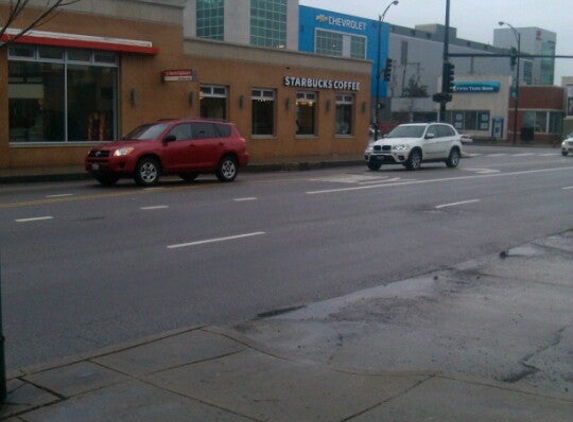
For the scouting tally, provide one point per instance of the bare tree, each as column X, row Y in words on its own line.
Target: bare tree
column 46, row 9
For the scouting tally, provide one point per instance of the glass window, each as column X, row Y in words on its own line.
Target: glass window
column 211, row 19
column 328, row 43
column 263, row 109
column 344, row 114
column 203, row 130
column 54, row 98
column 36, row 102
column 269, row 23
column 306, row 113
column 213, row 101
column 181, row 132
column 358, row 47
column 91, row 102
column 469, row 120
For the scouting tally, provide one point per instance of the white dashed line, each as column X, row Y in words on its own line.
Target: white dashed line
column 154, row 207
column 567, row 187
column 220, row 239
column 245, row 199
column 61, row 195
column 32, row 219
column 455, row 204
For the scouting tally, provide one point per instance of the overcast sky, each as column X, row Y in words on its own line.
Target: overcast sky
column 474, row 19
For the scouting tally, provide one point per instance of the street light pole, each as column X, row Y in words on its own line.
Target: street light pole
column 516, row 99
column 377, row 105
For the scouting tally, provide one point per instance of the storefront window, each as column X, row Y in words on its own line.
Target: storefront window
column 344, row 113
column 36, row 102
column 306, row 113
column 470, row 119
column 544, row 121
column 40, row 110
column 263, row 108
column 214, row 101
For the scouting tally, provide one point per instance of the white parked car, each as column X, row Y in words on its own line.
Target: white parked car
column 414, row 143
column 567, row 145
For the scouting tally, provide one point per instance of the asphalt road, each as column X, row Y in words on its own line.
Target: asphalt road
column 84, row 267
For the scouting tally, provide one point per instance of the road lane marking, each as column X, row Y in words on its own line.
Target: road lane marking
column 455, row 204
column 219, row 239
column 32, row 219
column 448, row 179
column 481, row 170
column 502, row 154
column 523, row 154
column 154, row 207
column 251, row 198
column 568, row 187
column 61, row 195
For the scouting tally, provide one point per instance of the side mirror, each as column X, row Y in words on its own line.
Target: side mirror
column 170, row 138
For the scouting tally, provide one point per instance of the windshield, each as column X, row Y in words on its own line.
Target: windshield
column 407, row 132
column 146, row 132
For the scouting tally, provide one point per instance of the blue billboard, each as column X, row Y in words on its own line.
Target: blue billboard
column 325, row 32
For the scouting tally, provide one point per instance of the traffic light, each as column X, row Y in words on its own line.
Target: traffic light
column 513, row 57
column 450, row 76
column 388, row 70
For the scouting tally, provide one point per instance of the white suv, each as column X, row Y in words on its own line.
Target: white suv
column 412, row 144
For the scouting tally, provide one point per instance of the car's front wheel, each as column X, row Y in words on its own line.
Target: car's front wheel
column 374, row 166
column 147, row 172
column 227, row 169
column 564, row 153
column 414, row 160
column 454, row 158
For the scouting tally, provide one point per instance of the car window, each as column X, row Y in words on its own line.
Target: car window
column 203, row 130
column 146, row 132
column 407, row 131
column 181, row 132
column 445, row 131
column 432, row 130
column 224, row 131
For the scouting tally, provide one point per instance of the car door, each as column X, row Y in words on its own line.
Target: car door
column 431, row 142
column 206, row 145
column 445, row 136
column 176, row 149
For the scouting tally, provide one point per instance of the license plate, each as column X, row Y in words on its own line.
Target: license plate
column 95, row 166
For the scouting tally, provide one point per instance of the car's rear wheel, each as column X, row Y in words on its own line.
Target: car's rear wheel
column 106, row 180
column 227, row 169
column 147, row 172
column 189, row 177
column 454, row 158
column 414, row 160
column 374, row 166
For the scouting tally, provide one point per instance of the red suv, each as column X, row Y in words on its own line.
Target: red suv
column 184, row 147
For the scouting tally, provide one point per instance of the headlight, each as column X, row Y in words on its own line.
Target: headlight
column 369, row 148
column 122, row 152
column 400, row 147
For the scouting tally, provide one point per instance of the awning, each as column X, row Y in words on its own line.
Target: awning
column 82, row 41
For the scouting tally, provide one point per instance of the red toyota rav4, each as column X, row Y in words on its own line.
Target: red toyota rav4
column 185, row 147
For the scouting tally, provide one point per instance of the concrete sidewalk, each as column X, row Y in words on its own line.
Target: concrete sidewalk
column 216, row 374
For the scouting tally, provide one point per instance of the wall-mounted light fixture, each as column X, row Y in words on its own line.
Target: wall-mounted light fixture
column 133, row 96
column 242, row 101
column 191, row 99
column 363, row 107
column 327, row 105
column 287, row 103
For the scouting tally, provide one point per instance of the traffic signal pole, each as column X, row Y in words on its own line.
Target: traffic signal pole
column 445, row 67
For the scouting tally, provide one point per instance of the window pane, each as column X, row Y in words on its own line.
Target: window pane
column 91, row 103
column 269, row 23
column 263, row 112
column 211, row 19
column 36, row 102
column 344, row 112
column 306, row 113
column 329, row 43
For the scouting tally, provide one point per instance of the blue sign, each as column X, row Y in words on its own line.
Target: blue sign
column 476, row 87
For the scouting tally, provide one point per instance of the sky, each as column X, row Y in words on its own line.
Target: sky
column 474, row 19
